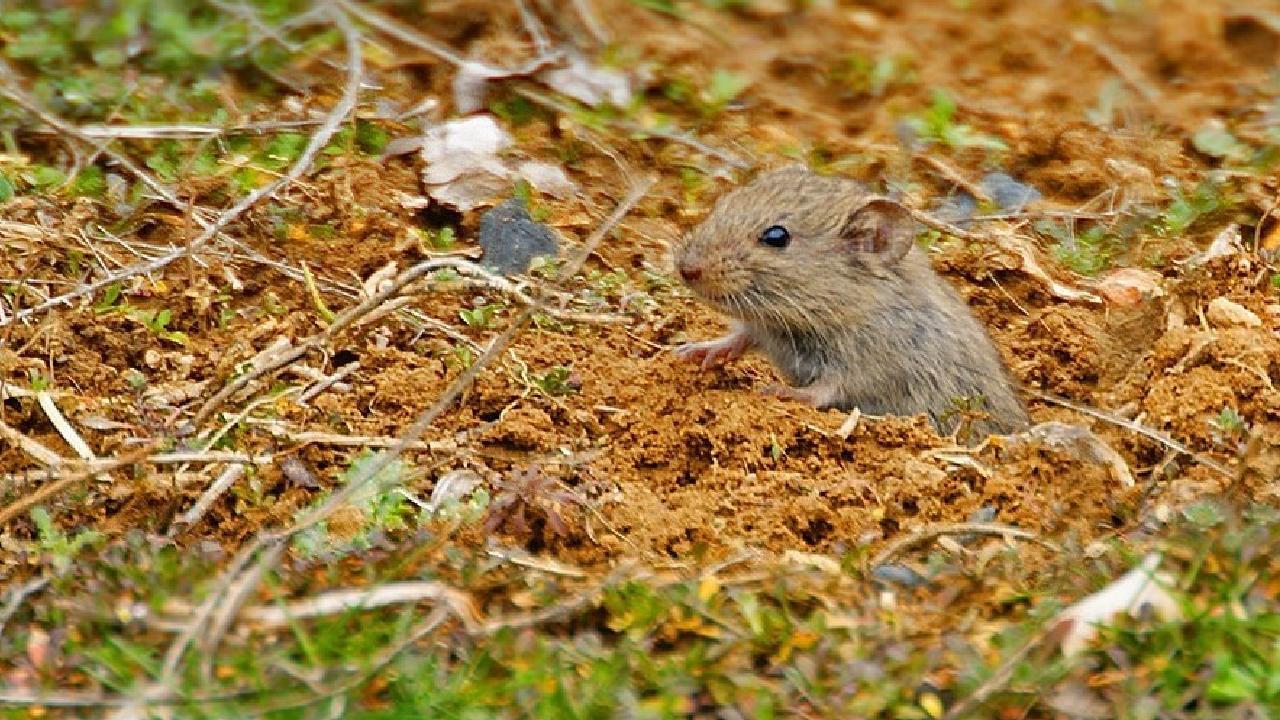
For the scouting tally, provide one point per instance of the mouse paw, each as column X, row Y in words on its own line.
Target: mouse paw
column 715, row 352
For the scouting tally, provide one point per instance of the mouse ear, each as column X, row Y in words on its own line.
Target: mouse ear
column 879, row 227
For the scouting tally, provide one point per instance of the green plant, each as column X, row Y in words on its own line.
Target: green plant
column 692, row 184
column 439, row 239
column 723, row 88
column 710, row 98
column 1184, row 210
column 378, row 506
column 37, row 380
column 136, row 381
column 110, row 296
column 462, row 355
column 480, row 316
column 860, row 74
column 516, row 110
column 1229, row 421
column 1088, row 251
column 157, row 321
column 937, row 123
column 1215, row 140
column 59, row 547
column 607, row 284
column 545, row 266
column 970, row 409
column 524, row 192
column 1229, row 429
column 558, row 381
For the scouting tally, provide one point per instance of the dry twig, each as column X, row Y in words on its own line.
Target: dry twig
column 935, row 531
column 334, row 602
column 75, row 473
column 1143, row 430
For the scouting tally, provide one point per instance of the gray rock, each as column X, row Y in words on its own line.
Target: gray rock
column 511, row 239
column 1008, row 193
column 898, row 574
column 984, row 514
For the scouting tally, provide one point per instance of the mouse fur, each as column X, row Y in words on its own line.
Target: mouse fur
column 850, row 312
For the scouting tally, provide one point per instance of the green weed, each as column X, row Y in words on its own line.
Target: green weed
column 860, row 74
column 1185, row 209
column 557, row 381
column 440, row 239
column 1088, row 251
column 59, row 548
column 938, row 124
column 480, row 316
column 377, row 507
column 710, row 98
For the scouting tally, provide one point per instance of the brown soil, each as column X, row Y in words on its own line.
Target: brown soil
column 674, row 461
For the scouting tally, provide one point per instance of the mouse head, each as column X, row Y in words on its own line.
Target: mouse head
column 795, row 248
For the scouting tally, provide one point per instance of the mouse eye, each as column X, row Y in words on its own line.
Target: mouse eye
column 775, row 236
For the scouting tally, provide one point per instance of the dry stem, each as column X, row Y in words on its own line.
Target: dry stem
column 936, row 531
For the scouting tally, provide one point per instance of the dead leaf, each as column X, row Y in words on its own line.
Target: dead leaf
column 453, row 486
column 471, row 86
column 465, row 168
column 1141, row 587
column 470, row 192
column 591, row 84
column 479, row 135
column 1271, row 241
column 824, row 563
column 547, row 178
column 1079, row 702
column 1226, row 242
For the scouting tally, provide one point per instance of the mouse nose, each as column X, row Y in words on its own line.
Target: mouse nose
column 690, row 272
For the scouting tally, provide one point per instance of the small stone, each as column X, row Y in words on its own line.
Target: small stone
column 1227, row 313
column 1008, row 193
column 511, row 239
column 1129, row 287
column 984, row 514
column 898, row 574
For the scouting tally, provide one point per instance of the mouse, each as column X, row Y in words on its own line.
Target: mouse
column 824, row 278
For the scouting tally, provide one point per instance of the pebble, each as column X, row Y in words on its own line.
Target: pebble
column 899, row 574
column 511, row 239
column 1008, row 193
